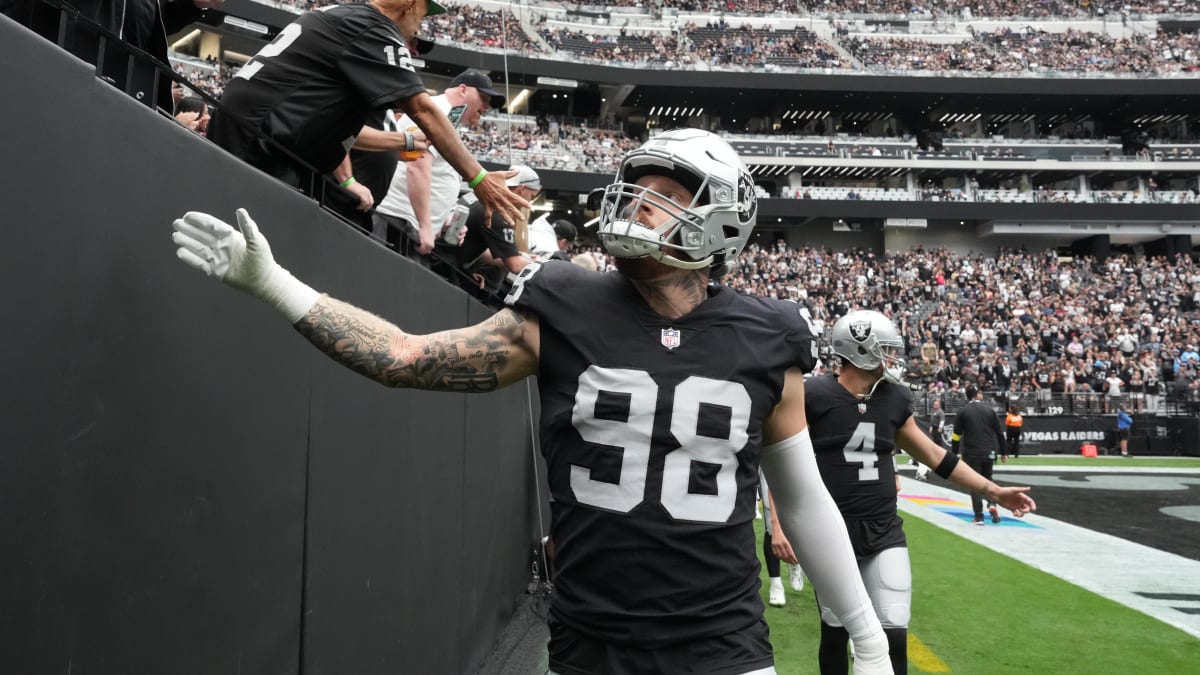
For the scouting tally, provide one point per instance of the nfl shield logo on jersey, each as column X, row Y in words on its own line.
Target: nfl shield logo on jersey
column 670, row 338
column 862, row 408
column 859, row 330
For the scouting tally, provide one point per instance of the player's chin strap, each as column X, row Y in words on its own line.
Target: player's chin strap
column 867, row 396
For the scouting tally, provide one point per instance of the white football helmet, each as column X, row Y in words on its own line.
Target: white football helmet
column 707, row 233
column 868, row 340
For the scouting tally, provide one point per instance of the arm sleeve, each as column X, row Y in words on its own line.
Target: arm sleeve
column 812, row 522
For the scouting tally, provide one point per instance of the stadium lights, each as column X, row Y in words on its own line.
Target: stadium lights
column 248, row 26
column 518, row 101
column 557, row 82
column 185, row 39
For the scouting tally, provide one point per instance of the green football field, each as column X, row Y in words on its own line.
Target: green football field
column 976, row 612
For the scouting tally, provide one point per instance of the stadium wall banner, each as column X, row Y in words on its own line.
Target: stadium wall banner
column 1064, row 434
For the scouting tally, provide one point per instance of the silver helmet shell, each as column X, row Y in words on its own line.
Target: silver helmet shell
column 869, row 340
column 708, row 232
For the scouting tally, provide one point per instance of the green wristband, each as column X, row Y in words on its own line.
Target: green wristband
column 348, row 182
column 477, row 179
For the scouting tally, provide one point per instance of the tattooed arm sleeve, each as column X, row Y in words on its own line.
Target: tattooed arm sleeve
column 492, row 354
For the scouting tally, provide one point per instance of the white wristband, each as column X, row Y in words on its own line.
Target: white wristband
column 292, row 297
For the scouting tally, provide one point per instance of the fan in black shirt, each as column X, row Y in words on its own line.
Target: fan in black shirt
column 312, row 89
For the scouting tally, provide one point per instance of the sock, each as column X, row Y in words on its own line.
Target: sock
column 832, row 655
column 898, row 649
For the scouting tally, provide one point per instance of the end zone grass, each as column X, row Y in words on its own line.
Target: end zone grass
column 981, row 613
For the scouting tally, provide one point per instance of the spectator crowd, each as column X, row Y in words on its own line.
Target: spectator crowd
column 1032, row 329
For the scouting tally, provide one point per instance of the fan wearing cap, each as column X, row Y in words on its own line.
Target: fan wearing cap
column 491, row 252
column 309, row 92
column 422, row 195
column 551, row 239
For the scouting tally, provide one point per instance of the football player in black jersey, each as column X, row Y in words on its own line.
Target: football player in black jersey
column 857, row 419
column 661, row 396
column 312, row 89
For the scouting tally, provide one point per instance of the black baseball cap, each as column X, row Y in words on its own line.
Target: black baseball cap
column 565, row 229
column 422, row 45
column 476, row 79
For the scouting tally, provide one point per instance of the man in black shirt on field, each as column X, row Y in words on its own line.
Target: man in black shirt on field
column 312, row 89
column 981, row 436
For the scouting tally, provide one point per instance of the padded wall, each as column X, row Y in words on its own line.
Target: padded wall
column 186, row 486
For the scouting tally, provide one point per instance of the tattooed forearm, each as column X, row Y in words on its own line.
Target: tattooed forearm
column 473, row 359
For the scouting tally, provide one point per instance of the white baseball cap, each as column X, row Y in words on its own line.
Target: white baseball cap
column 526, row 177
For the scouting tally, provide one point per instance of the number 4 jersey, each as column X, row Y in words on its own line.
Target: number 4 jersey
column 854, row 441
column 651, row 429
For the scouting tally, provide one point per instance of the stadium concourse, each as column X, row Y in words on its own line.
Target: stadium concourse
column 1129, row 534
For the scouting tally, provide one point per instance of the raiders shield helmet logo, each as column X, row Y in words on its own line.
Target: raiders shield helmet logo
column 859, row 330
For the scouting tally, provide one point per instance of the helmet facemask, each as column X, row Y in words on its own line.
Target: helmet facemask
column 677, row 242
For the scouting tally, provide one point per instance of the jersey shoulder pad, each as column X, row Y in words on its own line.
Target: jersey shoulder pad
column 545, row 286
column 798, row 333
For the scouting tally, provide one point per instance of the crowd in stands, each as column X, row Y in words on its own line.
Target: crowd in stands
column 210, row 79
column 722, row 44
column 1010, row 50
column 1029, row 328
column 1038, row 9
column 469, row 24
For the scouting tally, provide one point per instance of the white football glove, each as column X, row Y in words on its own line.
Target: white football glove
column 242, row 259
column 871, row 656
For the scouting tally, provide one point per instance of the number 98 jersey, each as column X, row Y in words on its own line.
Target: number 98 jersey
column 651, row 430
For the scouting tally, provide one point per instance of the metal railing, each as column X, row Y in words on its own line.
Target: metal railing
column 140, row 67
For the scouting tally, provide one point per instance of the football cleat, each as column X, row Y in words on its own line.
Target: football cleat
column 995, row 513
column 777, row 598
column 797, row 577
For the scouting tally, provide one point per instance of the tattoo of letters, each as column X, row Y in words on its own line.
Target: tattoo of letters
column 462, row 360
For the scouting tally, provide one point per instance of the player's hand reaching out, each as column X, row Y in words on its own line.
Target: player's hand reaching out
column 242, row 259
column 1014, row 499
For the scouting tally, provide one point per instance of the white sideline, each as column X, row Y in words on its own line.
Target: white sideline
column 1108, row 566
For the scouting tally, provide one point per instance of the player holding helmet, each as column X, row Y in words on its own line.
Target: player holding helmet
column 857, row 419
column 660, row 393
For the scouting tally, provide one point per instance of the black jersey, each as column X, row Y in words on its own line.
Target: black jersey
column 499, row 238
column 651, row 429
column 312, row 88
column 854, row 441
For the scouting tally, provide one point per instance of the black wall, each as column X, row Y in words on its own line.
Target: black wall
column 186, row 486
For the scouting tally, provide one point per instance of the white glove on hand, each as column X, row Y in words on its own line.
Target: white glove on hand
column 871, row 656
column 242, row 260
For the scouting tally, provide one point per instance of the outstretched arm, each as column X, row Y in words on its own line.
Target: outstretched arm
column 920, row 446
column 484, row 357
column 815, row 527
column 494, row 353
